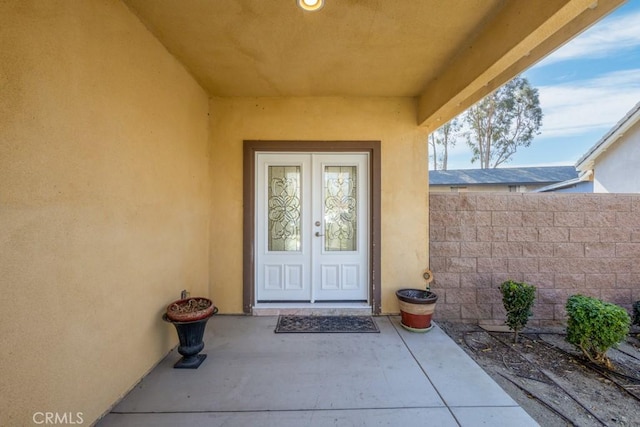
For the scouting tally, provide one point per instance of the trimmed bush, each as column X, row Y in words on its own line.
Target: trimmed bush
column 517, row 298
column 594, row 326
column 636, row 313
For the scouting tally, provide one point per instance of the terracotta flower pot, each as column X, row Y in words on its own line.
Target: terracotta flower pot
column 416, row 308
column 190, row 309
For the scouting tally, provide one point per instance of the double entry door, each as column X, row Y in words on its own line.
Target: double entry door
column 312, row 227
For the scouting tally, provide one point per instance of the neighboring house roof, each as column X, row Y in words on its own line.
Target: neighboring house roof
column 558, row 185
column 504, row 176
column 579, row 185
column 587, row 161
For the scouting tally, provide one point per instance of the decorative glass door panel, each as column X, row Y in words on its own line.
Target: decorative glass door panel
column 284, row 208
column 340, row 208
column 312, row 227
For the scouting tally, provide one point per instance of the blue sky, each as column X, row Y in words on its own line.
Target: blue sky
column 585, row 87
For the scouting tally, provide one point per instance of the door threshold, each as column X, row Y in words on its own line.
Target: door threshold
column 312, row 309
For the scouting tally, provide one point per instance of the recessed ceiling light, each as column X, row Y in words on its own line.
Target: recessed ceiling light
column 311, row 5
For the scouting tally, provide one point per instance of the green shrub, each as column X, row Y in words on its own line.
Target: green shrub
column 636, row 313
column 517, row 298
column 595, row 326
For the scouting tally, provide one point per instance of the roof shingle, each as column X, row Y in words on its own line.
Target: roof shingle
column 507, row 176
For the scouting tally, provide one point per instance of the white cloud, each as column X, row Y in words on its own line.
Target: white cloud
column 572, row 109
column 600, row 41
column 586, row 108
column 582, row 106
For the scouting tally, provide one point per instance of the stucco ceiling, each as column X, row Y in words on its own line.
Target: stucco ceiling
column 447, row 53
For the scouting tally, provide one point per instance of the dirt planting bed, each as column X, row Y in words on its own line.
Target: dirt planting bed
column 552, row 381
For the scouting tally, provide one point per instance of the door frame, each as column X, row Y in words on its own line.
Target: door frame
column 250, row 148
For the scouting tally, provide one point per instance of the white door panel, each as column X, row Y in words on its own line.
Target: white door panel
column 340, row 204
column 312, row 222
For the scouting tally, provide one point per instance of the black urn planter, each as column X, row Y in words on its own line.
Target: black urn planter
column 190, row 333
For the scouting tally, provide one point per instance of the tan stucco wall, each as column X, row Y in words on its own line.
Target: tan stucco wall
column 104, row 203
column 404, row 177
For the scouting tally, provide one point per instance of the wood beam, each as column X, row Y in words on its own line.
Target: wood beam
column 518, row 37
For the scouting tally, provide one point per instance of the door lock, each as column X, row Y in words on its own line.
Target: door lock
column 317, row 223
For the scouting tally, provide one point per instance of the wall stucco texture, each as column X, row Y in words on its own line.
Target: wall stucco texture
column 104, row 203
column 612, row 168
column 404, row 176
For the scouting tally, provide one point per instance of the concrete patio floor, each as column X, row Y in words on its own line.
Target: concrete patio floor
column 253, row 376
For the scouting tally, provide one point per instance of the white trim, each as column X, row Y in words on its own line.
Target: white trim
column 313, row 309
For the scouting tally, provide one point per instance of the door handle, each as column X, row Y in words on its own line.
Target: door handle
column 318, row 234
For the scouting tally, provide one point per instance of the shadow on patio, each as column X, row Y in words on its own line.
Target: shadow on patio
column 255, row 377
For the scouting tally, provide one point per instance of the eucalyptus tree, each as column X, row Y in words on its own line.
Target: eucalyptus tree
column 444, row 137
column 502, row 122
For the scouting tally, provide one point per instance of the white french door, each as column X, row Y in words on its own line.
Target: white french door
column 312, row 227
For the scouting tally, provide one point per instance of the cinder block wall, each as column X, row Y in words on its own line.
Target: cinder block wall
column 563, row 244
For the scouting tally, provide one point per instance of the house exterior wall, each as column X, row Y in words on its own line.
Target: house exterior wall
column 615, row 170
column 404, row 178
column 104, row 204
column 561, row 243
